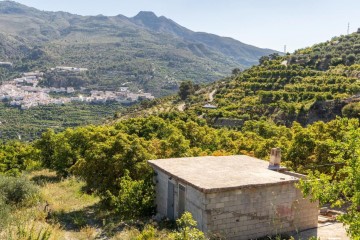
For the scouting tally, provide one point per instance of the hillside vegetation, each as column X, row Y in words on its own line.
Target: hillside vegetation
column 310, row 110
column 29, row 124
column 146, row 51
column 289, row 88
column 111, row 159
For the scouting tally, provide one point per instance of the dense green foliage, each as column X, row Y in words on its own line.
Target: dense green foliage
column 283, row 89
column 284, row 94
column 135, row 198
column 29, row 124
column 186, row 89
column 113, row 156
column 18, row 191
column 340, row 185
column 339, row 50
column 352, row 110
column 16, row 157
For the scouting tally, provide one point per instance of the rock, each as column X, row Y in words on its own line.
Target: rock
column 324, row 210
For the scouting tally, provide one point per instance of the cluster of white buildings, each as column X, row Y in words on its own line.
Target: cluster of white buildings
column 25, row 97
column 68, row 69
column 25, row 93
column 6, row 64
column 122, row 96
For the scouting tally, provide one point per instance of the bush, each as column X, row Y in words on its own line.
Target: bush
column 135, row 198
column 187, row 229
column 16, row 157
column 351, row 110
column 18, row 191
column 149, row 233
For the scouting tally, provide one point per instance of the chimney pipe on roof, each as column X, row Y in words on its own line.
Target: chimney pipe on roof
column 275, row 157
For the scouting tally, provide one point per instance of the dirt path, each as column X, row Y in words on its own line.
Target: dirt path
column 327, row 231
column 211, row 95
column 181, row 107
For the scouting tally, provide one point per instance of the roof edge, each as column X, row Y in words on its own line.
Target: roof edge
column 216, row 190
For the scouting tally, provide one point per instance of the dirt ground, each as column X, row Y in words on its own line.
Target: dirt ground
column 325, row 231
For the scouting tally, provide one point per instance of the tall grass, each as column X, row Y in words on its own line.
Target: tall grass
column 24, row 227
column 21, row 218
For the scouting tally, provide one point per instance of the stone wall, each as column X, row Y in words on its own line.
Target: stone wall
column 256, row 212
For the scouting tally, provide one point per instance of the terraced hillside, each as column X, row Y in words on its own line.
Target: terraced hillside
column 287, row 88
column 291, row 88
column 28, row 125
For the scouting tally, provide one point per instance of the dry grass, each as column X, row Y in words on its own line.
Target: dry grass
column 74, row 215
column 66, row 195
column 69, row 211
column 89, row 232
column 30, row 224
column 127, row 234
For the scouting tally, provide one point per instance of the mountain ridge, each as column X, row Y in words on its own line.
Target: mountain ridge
column 146, row 51
column 152, row 21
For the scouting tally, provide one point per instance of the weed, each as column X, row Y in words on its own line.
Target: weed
column 89, row 232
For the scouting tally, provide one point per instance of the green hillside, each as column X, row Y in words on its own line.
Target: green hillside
column 289, row 88
column 145, row 52
column 339, row 50
column 29, row 124
column 114, row 192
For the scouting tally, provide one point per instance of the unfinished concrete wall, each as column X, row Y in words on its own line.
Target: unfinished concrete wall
column 195, row 204
column 256, row 212
column 242, row 214
column 161, row 188
column 194, row 199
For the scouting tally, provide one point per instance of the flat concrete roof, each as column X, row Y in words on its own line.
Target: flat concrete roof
column 223, row 173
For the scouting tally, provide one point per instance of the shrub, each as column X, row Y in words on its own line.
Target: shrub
column 18, row 191
column 187, row 229
column 16, row 157
column 135, row 198
column 149, row 233
column 351, row 110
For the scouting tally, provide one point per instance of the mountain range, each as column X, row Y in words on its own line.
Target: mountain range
column 143, row 52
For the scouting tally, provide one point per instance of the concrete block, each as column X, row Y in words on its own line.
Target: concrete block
column 219, row 205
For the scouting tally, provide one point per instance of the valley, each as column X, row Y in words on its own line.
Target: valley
column 152, row 53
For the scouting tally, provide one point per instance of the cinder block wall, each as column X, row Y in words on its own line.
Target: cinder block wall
column 256, row 212
column 194, row 203
column 161, row 192
column 243, row 214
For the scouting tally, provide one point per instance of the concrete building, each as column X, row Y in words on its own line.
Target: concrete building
column 210, row 106
column 238, row 197
column 6, row 64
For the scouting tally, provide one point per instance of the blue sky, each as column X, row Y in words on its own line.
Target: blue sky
column 263, row 23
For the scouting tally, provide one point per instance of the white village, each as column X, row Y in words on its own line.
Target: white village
column 25, row 92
